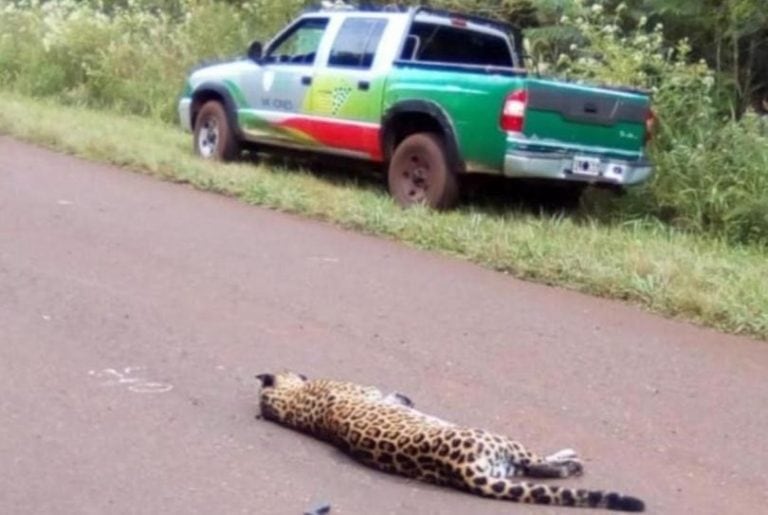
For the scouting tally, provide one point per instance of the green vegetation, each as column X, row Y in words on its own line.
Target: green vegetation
column 697, row 278
column 128, row 56
column 691, row 243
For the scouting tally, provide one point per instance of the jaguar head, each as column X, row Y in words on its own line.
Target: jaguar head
column 280, row 394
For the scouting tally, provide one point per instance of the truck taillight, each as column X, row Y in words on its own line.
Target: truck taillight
column 650, row 125
column 513, row 114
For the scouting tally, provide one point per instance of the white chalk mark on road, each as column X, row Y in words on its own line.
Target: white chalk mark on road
column 125, row 376
column 324, row 259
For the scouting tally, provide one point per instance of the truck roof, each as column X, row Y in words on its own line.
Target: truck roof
column 341, row 10
column 478, row 21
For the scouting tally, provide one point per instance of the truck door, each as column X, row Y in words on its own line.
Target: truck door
column 277, row 94
column 346, row 95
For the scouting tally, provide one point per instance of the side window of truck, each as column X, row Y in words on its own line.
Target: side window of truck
column 298, row 45
column 356, row 43
column 445, row 44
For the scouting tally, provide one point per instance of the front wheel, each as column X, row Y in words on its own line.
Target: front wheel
column 214, row 137
column 420, row 172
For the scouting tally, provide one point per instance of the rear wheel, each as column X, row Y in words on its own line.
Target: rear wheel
column 214, row 137
column 421, row 173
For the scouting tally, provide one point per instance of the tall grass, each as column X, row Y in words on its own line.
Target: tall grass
column 131, row 56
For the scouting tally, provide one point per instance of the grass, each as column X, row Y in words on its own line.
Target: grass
column 703, row 280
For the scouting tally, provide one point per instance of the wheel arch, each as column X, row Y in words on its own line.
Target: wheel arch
column 412, row 116
column 212, row 91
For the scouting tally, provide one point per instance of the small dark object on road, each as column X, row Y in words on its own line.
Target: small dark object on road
column 322, row 508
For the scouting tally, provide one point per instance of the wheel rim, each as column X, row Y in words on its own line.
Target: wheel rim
column 415, row 176
column 208, row 137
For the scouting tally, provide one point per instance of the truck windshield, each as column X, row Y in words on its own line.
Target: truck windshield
column 431, row 42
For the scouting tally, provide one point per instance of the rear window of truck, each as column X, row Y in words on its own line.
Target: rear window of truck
column 430, row 42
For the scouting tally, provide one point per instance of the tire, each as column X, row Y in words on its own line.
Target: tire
column 214, row 138
column 420, row 172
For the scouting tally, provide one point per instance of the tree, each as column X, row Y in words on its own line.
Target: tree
column 731, row 35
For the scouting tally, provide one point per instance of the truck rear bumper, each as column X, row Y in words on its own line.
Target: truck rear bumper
column 565, row 167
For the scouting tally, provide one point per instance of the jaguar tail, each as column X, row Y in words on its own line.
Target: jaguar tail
column 532, row 493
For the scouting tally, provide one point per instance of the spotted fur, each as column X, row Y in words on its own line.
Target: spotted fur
column 387, row 433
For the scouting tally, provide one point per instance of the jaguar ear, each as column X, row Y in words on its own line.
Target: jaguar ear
column 267, row 380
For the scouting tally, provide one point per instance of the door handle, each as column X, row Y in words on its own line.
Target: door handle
column 364, row 85
column 306, row 80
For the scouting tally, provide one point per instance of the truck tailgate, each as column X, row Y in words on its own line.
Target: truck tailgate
column 574, row 117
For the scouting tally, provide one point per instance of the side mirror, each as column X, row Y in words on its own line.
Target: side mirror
column 254, row 51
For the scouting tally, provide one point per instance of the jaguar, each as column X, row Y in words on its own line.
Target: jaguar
column 388, row 433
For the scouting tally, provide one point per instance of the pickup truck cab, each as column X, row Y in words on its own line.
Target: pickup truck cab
column 428, row 94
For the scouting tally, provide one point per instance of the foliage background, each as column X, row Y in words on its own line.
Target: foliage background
column 706, row 63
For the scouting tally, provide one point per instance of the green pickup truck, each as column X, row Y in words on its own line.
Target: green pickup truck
column 428, row 94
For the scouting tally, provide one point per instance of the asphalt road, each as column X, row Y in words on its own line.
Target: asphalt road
column 134, row 314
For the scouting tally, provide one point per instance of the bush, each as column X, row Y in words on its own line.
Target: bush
column 129, row 56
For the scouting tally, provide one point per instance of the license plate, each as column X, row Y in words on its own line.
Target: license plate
column 583, row 165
